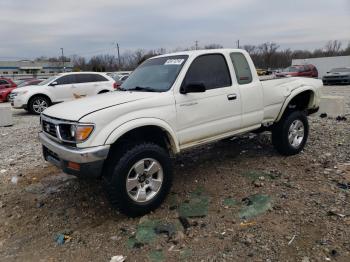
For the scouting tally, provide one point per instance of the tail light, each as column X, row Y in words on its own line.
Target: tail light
column 116, row 85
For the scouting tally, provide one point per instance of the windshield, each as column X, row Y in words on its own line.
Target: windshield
column 155, row 75
column 19, row 82
column 292, row 69
column 344, row 69
column 47, row 81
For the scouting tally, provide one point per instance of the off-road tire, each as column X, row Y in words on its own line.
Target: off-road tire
column 116, row 172
column 280, row 133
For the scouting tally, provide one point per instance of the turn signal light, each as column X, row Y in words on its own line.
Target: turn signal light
column 74, row 166
column 83, row 132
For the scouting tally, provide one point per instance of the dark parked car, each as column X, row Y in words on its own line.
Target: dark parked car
column 337, row 76
column 299, row 70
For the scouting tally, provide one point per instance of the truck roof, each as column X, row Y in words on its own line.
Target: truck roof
column 204, row 51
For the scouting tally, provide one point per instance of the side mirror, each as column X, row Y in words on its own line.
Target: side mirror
column 54, row 83
column 194, row 87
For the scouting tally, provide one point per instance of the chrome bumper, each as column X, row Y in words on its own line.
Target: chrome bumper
column 77, row 155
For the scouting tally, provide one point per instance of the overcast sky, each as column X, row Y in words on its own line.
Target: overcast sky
column 31, row 28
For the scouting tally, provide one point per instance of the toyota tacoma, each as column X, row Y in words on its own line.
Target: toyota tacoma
column 169, row 104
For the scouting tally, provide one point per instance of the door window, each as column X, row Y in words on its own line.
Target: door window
column 210, row 70
column 66, row 80
column 242, row 68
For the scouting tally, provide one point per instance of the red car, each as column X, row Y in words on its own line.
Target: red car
column 299, row 70
column 6, row 86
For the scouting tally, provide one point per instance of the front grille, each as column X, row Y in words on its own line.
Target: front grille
column 335, row 77
column 49, row 128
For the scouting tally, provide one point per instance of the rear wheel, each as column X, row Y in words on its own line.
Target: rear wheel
column 38, row 104
column 138, row 179
column 290, row 134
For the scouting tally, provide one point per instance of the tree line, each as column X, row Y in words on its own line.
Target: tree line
column 266, row 55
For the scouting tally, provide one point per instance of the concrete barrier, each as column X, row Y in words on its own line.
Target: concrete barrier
column 5, row 115
column 333, row 106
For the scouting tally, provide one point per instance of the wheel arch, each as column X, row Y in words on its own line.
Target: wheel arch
column 301, row 99
column 39, row 94
column 154, row 130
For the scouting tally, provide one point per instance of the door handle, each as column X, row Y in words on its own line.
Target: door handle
column 232, row 97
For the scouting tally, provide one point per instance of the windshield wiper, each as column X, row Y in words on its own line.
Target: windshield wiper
column 142, row 88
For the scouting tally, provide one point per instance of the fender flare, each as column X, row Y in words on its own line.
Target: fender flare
column 141, row 122
column 293, row 94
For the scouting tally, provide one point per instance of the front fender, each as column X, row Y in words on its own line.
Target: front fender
column 140, row 122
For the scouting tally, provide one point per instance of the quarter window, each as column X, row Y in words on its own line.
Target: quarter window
column 88, row 78
column 99, row 78
column 210, row 70
column 242, row 69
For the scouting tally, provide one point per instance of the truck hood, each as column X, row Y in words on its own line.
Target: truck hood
column 76, row 109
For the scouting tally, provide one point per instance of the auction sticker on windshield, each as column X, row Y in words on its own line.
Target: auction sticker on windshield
column 174, row 61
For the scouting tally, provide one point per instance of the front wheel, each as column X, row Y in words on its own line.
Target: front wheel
column 38, row 104
column 290, row 134
column 139, row 180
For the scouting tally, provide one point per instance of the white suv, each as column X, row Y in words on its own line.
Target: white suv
column 60, row 88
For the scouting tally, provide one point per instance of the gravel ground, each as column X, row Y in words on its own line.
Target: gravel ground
column 304, row 214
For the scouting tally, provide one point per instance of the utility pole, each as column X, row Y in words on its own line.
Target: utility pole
column 196, row 44
column 63, row 70
column 117, row 46
column 238, row 43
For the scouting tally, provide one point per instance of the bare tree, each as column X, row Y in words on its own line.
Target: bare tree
column 332, row 47
column 267, row 50
column 79, row 63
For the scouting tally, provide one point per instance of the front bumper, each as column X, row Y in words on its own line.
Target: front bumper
column 17, row 102
column 87, row 162
column 336, row 80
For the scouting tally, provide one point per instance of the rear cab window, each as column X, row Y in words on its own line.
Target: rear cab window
column 210, row 70
column 242, row 68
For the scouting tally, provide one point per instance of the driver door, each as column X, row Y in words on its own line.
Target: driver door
column 205, row 115
column 62, row 88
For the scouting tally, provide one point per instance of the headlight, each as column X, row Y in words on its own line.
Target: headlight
column 75, row 133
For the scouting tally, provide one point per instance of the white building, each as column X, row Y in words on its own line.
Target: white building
column 27, row 68
column 324, row 64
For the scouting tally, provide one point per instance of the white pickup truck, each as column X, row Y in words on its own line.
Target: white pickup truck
column 168, row 104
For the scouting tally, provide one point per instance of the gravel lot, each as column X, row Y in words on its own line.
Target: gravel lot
column 303, row 213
